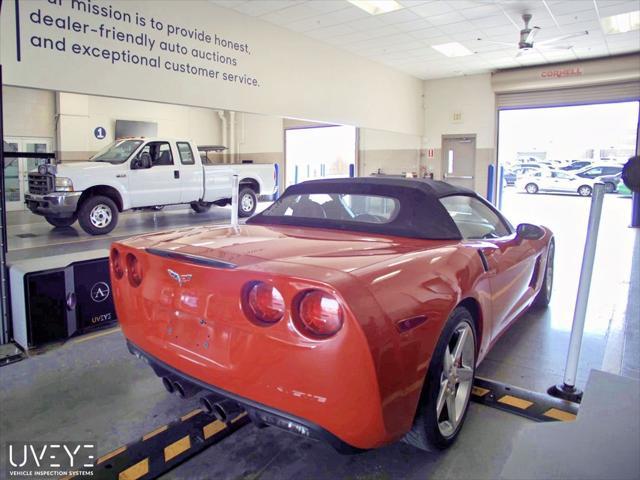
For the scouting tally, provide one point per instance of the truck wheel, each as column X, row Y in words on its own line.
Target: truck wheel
column 247, row 202
column 62, row 221
column 200, row 207
column 98, row 215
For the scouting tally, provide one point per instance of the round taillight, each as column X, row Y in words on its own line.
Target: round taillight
column 320, row 314
column 264, row 303
column 134, row 270
column 116, row 263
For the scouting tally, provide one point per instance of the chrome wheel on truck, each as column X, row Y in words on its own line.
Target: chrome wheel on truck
column 98, row 215
column 247, row 202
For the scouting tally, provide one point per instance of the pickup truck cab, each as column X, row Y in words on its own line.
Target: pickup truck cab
column 139, row 173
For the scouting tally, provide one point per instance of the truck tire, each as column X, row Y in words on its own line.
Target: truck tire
column 200, row 207
column 62, row 221
column 247, row 202
column 98, row 215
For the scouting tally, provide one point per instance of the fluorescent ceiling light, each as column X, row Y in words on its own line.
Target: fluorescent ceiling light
column 376, row 7
column 625, row 22
column 453, row 49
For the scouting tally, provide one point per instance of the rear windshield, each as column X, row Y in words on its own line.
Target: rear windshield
column 337, row 207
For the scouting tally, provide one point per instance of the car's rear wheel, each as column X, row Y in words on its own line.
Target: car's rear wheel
column 584, row 191
column 531, row 188
column 543, row 298
column 98, row 215
column 62, row 221
column 447, row 389
column 200, row 207
column 609, row 187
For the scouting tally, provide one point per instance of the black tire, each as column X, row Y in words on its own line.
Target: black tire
column 59, row 222
column 200, row 207
column 426, row 433
column 247, row 202
column 609, row 187
column 531, row 188
column 585, row 190
column 98, row 215
column 543, row 298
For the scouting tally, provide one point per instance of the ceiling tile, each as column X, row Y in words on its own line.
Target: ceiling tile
column 446, row 19
column 572, row 6
column 399, row 16
column 256, row 8
column 432, row 9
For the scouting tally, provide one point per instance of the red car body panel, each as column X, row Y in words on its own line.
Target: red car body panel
column 362, row 384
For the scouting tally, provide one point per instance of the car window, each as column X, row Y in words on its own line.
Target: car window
column 473, row 218
column 160, row 153
column 186, row 155
column 594, row 171
column 117, row 152
column 611, row 170
column 337, row 206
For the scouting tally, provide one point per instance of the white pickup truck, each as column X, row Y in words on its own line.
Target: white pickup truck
column 137, row 173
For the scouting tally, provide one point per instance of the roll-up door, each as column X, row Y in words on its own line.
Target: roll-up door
column 615, row 92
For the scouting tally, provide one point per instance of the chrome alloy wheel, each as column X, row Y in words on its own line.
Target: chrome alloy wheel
column 456, row 379
column 101, row 216
column 246, row 204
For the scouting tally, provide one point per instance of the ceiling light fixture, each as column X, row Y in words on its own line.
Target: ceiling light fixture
column 376, row 7
column 453, row 49
column 625, row 22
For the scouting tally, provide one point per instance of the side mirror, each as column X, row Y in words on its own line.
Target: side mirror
column 528, row 231
column 141, row 161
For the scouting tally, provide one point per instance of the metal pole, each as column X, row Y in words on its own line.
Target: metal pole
column 235, row 185
column 5, row 315
column 568, row 389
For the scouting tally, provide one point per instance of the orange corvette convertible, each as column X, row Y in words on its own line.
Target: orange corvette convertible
column 351, row 310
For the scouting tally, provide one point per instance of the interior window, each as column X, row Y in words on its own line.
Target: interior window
column 473, row 218
column 160, row 153
column 186, row 155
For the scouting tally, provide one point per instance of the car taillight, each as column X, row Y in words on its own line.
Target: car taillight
column 263, row 303
column 116, row 263
column 134, row 270
column 320, row 314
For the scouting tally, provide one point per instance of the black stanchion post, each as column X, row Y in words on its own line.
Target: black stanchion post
column 5, row 318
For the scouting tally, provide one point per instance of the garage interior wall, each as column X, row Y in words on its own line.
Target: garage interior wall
column 388, row 152
column 465, row 106
column 29, row 113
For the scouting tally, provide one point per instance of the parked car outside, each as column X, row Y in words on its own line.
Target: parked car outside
column 611, row 182
column 352, row 311
column 596, row 171
column 555, row 181
column 577, row 165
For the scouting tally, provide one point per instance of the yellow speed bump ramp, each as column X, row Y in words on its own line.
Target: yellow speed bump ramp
column 540, row 407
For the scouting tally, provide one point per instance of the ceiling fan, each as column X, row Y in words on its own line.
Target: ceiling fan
column 528, row 35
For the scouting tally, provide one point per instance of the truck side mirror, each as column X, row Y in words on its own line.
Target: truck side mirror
column 141, row 161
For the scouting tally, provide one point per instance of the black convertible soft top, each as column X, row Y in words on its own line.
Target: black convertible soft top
column 421, row 215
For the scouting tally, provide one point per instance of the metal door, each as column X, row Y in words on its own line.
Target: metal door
column 459, row 160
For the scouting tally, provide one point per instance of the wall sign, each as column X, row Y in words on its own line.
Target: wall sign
column 562, row 72
column 100, row 133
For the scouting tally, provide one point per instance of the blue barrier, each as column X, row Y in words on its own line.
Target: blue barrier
column 352, row 170
column 491, row 172
column 500, row 185
column 276, row 176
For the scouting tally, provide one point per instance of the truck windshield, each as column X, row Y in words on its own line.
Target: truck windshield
column 117, row 152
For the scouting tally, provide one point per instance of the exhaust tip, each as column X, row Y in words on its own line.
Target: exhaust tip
column 179, row 389
column 207, row 405
column 168, row 385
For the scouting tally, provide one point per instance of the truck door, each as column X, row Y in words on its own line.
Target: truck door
column 154, row 182
column 191, row 174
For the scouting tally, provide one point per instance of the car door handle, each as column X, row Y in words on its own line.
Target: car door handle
column 176, row 174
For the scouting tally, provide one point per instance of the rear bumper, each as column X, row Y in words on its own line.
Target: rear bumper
column 258, row 412
column 56, row 204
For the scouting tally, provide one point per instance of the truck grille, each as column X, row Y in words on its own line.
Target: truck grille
column 41, row 184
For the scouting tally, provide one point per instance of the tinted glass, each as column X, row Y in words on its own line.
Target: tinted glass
column 160, row 153
column 186, row 155
column 337, row 206
column 473, row 218
column 117, row 152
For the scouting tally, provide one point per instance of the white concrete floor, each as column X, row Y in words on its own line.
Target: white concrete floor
column 96, row 390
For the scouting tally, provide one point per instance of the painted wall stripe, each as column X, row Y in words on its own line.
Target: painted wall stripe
column 135, row 471
column 560, row 415
column 177, row 447
column 112, row 454
column 515, row 402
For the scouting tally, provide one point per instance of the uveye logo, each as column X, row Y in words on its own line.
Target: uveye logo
column 50, row 459
column 100, row 292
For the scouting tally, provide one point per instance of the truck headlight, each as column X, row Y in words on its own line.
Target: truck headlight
column 64, row 184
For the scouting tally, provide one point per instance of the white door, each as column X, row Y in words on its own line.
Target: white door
column 159, row 184
column 459, row 160
column 191, row 174
column 17, row 169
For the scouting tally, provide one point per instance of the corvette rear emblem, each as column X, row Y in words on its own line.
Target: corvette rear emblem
column 181, row 279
